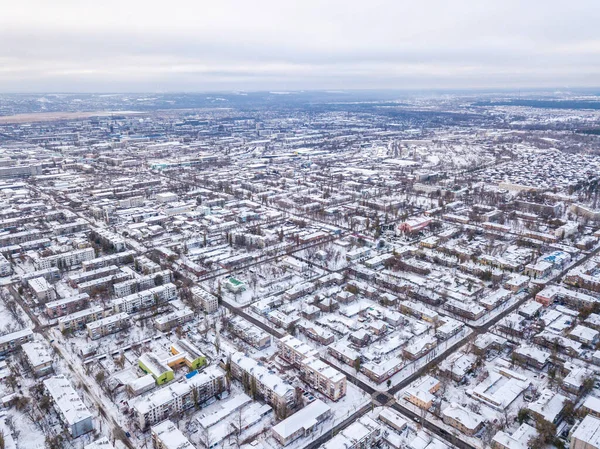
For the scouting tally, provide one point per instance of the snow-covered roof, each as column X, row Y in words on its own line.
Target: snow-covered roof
column 305, row 418
column 72, row 408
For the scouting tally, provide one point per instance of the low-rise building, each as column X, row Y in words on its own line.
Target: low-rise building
column 39, row 357
column 248, row 332
column 364, row 433
column 42, row 290
column 301, row 423
column 174, row 319
column 209, row 302
column 463, row 419
column 65, row 306
column 78, row 320
column 587, row 434
column 145, row 299
column 166, row 435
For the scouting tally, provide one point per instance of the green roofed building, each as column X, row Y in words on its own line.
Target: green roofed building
column 235, row 285
column 151, row 364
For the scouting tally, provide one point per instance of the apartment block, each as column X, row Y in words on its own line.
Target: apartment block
column 210, row 303
column 276, row 392
column 78, row 320
column 248, row 332
column 106, row 326
column 179, row 396
column 65, row 260
column 145, row 299
column 14, row 340
column 70, row 408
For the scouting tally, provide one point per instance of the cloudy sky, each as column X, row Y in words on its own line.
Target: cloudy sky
column 199, row 45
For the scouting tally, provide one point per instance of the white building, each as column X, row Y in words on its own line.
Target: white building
column 102, row 443
column 42, row 290
column 5, row 266
column 69, row 406
column 587, row 434
column 65, row 260
column 210, row 303
column 109, row 325
column 39, row 357
column 301, row 423
column 361, row 434
column 179, row 396
column 145, row 299
column 166, row 435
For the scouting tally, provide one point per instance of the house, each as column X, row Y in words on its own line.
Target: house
column 530, row 309
column 360, row 338
column 457, row 365
column 419, row 347
column 587, row 434
column 574, row 381
column 548, row 406
column 463, row 419
column 538, row 270
column 518, row 440
column 421, row 392
column 516, row 283
column 166, row 435
column 592, row 406
column 393, row 419
column 532, row 356
column 364, row 433
column 585, row 335
column 487, row 342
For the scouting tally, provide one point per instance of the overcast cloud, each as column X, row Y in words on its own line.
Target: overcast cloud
column 148, row 45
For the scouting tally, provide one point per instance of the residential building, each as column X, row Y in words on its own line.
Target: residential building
column 587, row 434
column 210, row 303
column 145, row 299
column 364, row 433
column 70, row 408
column 10, row 342
column 166, row 435
column 275, row 391
column 39, row 357
column 109, row 325
column 463, row 419
column 177, row 397
column 301, row 423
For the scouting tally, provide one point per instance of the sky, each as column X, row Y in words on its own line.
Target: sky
column 161, row 46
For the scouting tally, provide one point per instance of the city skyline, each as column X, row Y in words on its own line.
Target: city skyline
column 146, row 47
